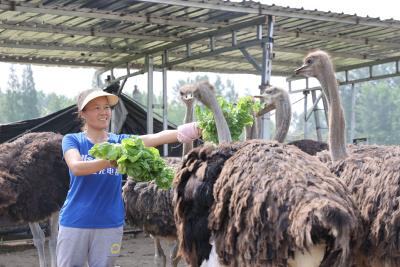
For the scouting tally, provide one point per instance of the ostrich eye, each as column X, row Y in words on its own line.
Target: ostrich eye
column 309, row 61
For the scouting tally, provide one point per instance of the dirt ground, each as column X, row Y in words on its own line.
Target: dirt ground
column 137, row 250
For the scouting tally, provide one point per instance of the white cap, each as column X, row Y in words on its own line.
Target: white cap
column 87, row 96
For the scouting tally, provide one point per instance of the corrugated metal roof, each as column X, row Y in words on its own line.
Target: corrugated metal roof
column 197, row 34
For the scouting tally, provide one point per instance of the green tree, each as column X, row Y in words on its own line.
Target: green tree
column 219, row 86
column 13, row 100
column 377, row 112
column 230, row 93
column 29, row 95
column 52, row 102
column 3, row 118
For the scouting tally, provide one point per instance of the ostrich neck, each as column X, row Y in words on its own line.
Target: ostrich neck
column 283, row 116
column 188, row 118
column 224, row 134
column 337, row 125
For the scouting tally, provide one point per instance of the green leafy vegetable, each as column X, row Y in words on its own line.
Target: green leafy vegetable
column 237, row 116
column 136, row 160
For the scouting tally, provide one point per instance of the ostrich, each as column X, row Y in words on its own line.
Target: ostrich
column 371, row 172
column 261, row 204
column 34, row 182
column 150, row 207
column 278, row 99
column 274, row 98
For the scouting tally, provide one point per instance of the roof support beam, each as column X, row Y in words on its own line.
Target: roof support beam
column 63, row 47
column 261, row 9
column 50, row 61
column 49, row 28
column 96, row 14
column 251, row 59
column 329, row 37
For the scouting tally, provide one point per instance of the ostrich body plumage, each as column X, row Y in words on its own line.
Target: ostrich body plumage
column 149, row 207
column 272, row 199
column 34, row 178
column 309, row 146
column 34, row 182
column 193, row 198
column 372, row 174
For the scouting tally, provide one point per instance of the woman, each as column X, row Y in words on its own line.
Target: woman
column 92, row 217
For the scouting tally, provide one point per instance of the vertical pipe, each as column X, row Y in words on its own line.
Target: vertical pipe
column 266, row 72
column 353, row 112
column 234, row 38
column 165, row 98
column 149, row 69
column 96, row 80
column 305, row 92
column 316, row 117
column 326, row 108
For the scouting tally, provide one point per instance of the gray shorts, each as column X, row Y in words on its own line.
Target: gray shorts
column 97, row 247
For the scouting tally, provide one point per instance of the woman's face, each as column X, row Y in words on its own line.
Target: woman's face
column 97, row 113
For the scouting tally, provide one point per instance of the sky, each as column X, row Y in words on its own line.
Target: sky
column 71, row 80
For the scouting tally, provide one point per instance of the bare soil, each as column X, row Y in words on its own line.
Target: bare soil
column 137, row 250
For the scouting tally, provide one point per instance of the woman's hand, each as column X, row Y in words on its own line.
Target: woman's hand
column 188, row 132
column 113, row 163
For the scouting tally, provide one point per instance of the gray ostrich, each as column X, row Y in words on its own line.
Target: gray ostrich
column 371, row 173
column 34, row 182
column 261, row 204
column 150, row 207
column 278, row 99
column 274, row 99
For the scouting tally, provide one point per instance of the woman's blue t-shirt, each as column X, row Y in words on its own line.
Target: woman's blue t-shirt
column 95, row 200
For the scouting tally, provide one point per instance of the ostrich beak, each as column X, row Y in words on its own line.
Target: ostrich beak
column 268, row 105
column 267, row 108
column 187, row 96
column 299, row 70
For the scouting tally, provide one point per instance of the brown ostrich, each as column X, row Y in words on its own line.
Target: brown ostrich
column 309, row 146
column 261, row 204
column 150, row 207
column 34, row 182
column 371, row 173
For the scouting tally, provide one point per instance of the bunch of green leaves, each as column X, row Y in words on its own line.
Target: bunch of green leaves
column 136, row 160
column 237, row 116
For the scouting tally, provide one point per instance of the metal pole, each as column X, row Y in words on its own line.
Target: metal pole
column 353, row 112
column 165, row 98
column 149, row 68
column 315, row 109
column 96, row 80
column 266, row 73
column 326, row 108
column 305, row 113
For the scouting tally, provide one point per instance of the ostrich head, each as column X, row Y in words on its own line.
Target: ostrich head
column 186, row 94
column 318, row 64
column 277, row 98
column 205, row 93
